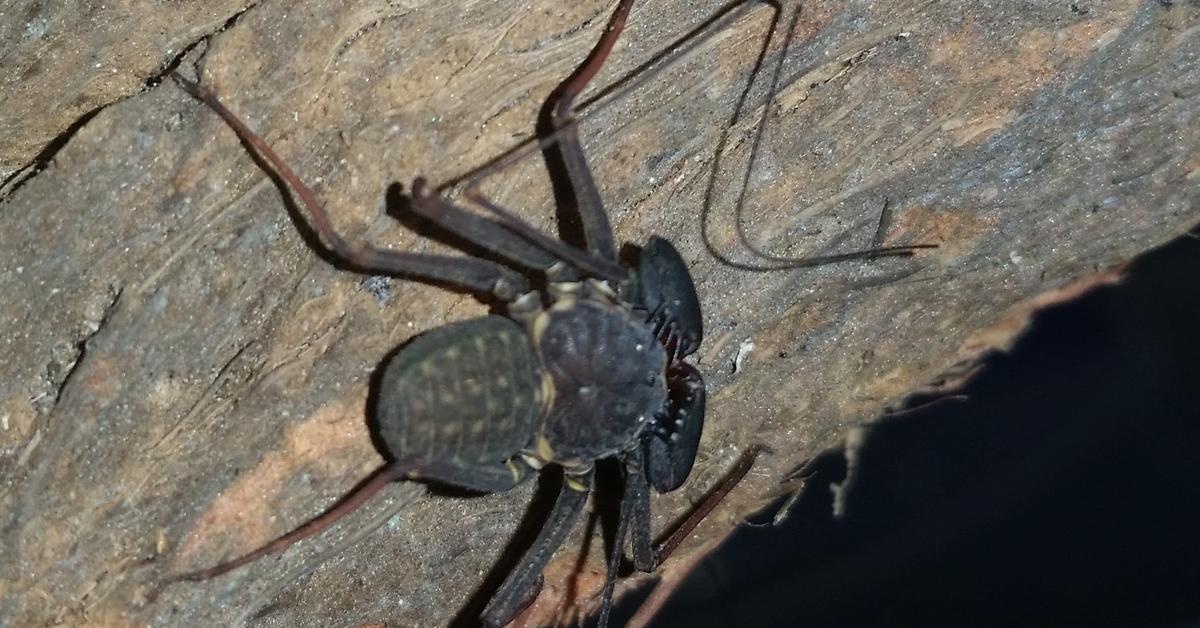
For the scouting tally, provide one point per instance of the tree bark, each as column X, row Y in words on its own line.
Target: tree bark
column 186, row 378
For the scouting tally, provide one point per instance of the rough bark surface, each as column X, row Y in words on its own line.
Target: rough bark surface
column 62, row 62
column 185, row 378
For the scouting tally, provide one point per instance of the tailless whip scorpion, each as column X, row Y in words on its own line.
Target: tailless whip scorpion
column 593, row 366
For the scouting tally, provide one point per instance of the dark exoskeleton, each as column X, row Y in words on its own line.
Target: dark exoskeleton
column 591, row 368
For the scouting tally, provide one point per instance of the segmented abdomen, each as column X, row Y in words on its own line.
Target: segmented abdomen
column 466, row 392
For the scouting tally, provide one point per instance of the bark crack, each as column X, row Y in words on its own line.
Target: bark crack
column 67, row 356
column 24, row 174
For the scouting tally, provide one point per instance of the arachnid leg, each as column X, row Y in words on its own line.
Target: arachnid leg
column 599, row 267
column 485, row 478
column 596, row 227
column 617, row 551
column 664, row 550
column 522, row 582
column 646, row 555
column 636, row 505
column 493, row 478
column 481, row 231
column 478, row 275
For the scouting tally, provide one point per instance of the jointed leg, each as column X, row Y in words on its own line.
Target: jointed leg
column 646, row 555
column 637, row 500
column 521, row 583
column 664, row 550
column 602, row 268
column 617, row 551
column 478, row 275
column 492, row 479
column 596, row 226
column 597, row 230
column 477, row 230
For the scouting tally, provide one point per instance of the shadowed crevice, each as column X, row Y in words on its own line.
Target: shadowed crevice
column 39, row 163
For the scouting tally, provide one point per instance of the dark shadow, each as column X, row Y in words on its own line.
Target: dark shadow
column 19, row 177
column 629, row 254
column 1063, row 491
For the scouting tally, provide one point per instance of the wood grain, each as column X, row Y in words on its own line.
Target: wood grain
column 186, row 378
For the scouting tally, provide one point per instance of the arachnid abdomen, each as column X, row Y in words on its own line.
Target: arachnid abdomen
column 466, row 392
column 608, row 373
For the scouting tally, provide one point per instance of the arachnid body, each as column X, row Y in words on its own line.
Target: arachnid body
column 590, row 368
